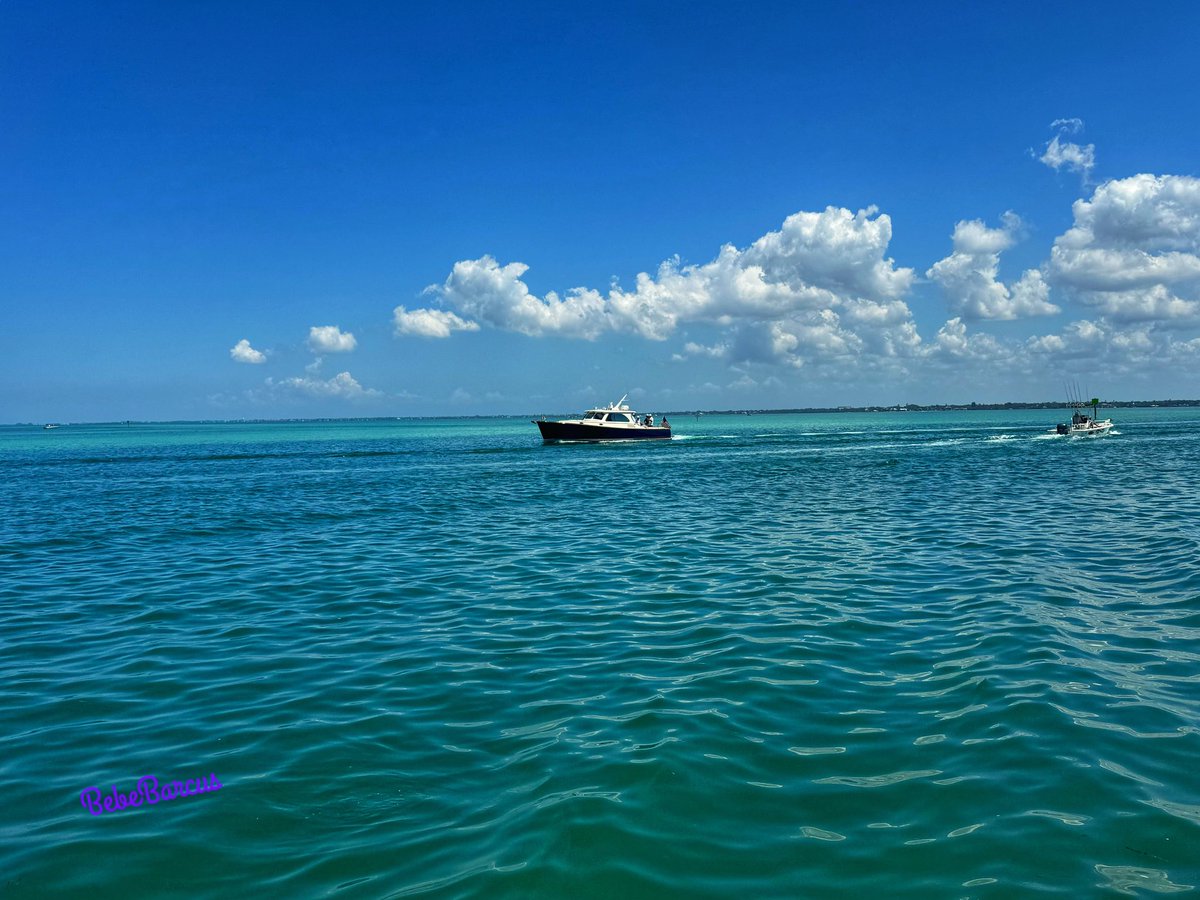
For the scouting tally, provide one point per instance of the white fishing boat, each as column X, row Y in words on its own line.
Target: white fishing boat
column 1083, row 425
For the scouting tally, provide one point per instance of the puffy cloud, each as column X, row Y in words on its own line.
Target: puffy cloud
column 483, row 290
column 1049, row 344
column 1068, row 126
column 434, row 323
column 1133, row 252
column 1131, row 350
column 330, row 339
column 1074, row 157
column 342, row 385
column 861, row 333
column 1153, row 303
column 1062, row 154
column 968, row 275
column 821, row 285
column 242, row 352
column 1082, row 339
column 691, row 348
column 815, row 260
column 886, row 329
column 954, row 346
column 821, row 293
column 835, row 251
column 1144, row 212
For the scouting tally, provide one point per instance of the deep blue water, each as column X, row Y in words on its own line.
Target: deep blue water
column 908, row 655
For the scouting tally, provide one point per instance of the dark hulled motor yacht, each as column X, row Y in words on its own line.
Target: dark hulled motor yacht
column 615, row 422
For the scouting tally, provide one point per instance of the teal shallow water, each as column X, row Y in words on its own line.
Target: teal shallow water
column 915, row 655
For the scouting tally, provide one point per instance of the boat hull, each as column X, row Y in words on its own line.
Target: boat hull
column 577, row 431
column 1097, row 430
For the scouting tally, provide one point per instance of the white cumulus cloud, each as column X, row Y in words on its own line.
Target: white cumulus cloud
column 1068, row 155
column 821, row 294
column 954, row 346
column 484, row 291
column 343, row 385
column 434, row 323
column 1133, row 252
column 330, row 339
column 820, row 285
column 1073, row 157
column 1132, row 350
column 1068, row 126
column 242, row 352
column 968, row 275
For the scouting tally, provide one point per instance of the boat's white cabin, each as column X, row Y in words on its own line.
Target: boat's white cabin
column 615, row 414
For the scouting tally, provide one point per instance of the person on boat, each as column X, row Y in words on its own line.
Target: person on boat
column 649, row 420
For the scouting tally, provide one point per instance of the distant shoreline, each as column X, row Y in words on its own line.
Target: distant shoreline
column 945, row 407
column 902, row 407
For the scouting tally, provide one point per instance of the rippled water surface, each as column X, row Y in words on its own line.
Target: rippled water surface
column 920, row 655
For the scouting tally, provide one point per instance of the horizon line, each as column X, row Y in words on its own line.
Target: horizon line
column 797, row 410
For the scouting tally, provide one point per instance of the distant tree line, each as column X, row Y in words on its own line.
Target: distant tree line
column 934, row 407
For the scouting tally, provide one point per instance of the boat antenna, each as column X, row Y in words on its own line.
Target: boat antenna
column 622, row 400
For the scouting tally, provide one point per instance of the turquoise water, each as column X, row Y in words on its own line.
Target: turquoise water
column 908, row 655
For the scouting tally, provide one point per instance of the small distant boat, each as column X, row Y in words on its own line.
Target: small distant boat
column 48, row 426
column 1083, row 425
column 615, row 422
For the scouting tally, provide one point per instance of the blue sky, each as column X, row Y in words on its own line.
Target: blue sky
column 227, row 210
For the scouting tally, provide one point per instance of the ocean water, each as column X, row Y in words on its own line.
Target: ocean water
column 897, row 655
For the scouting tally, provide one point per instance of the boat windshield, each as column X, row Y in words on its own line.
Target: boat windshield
column 618, row 417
